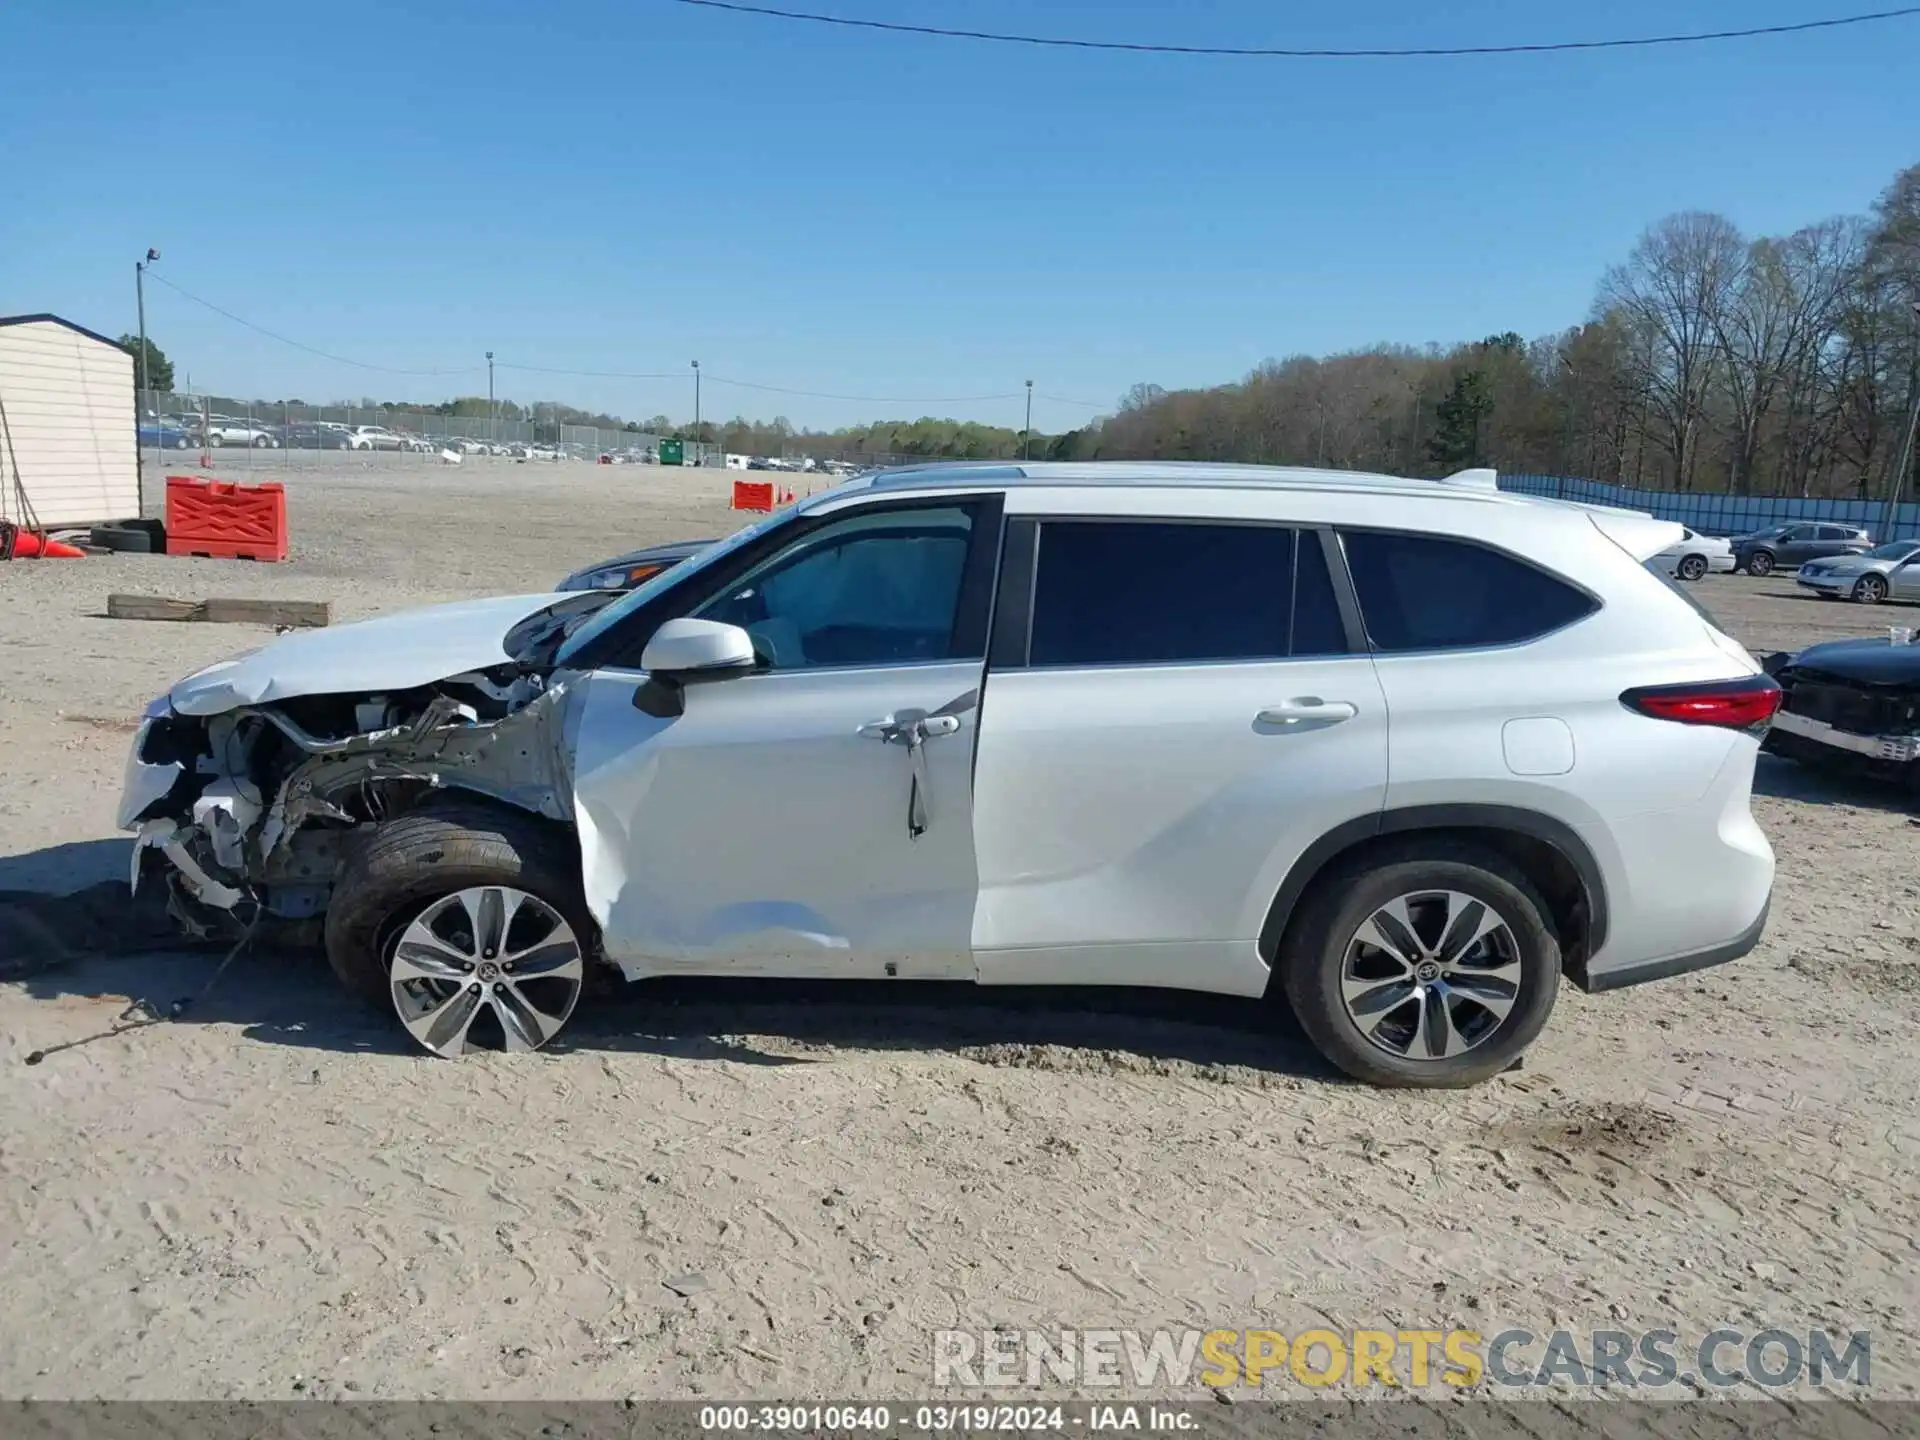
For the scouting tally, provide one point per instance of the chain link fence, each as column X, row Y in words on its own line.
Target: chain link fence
column 251, row 435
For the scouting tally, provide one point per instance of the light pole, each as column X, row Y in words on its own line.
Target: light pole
column 698, row 457
column 1903, row 461
column 493, row 415
column 146, row 381
column 1026, row 435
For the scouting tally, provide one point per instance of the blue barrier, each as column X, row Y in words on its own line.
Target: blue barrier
column 1713, row 514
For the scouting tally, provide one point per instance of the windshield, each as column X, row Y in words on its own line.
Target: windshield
column 1894, row 550
column 605, row 619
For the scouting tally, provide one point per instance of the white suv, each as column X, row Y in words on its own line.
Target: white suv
column 1398, row 754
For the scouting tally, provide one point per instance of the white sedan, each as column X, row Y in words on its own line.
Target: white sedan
column 1696, row 556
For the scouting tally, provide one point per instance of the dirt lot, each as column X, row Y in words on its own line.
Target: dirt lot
column 275, row 1197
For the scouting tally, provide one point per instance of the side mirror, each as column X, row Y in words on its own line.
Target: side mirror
column 685, row 647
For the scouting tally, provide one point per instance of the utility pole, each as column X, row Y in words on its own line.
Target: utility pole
column 1903, row 460
column 493, row 415
column 699, row 457
column 1026, row 435
column 146, row 382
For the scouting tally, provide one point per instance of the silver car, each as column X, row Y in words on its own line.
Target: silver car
column 1886, row 572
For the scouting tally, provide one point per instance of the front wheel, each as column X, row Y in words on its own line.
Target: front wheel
column 467, row 920
column 215, row 441
column 1430, row 965
column 1870, row 589
column 1760, row 563
column 1693, row 567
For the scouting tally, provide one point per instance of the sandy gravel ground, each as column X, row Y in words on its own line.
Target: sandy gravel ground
column 274, row 1197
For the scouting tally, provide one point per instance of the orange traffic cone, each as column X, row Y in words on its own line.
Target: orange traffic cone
column 30, row 544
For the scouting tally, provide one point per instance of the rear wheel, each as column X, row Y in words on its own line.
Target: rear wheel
column 467, row 920
column 1431, row 965
column 1870, row 589
column 1760, row 563
column 1693, row 567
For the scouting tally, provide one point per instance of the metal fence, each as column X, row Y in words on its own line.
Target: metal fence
column 1721, row 514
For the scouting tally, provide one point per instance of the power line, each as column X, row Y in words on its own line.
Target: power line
column 867, row 399
column 1302, row 53
column 595, row 374
column 274, row 335
column 616, row 374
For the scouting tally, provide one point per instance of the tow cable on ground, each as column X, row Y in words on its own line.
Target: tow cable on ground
column 141, row 1013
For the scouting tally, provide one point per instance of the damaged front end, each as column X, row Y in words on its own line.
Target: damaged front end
column 1851, row 705
column 245, row 813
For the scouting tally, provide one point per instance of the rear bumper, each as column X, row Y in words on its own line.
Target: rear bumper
column 1641, row 972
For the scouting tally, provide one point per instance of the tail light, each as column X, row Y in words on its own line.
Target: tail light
column 1748, row 703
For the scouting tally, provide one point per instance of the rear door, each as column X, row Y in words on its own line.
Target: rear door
column 1174, row 710
column 1838, row 540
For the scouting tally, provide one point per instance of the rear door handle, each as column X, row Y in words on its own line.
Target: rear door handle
column 1308, row 707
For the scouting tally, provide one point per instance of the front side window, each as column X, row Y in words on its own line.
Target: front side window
column 1126, row 592
column 877, row 589
column 1424, row 592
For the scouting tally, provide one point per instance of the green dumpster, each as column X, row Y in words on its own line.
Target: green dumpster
column 673, row 452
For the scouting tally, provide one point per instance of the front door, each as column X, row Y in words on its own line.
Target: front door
column 814, row 817
column 1183, row 713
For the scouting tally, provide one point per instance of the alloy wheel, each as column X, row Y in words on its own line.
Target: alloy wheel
column 1760, row 564
column 1431, row 975
column 1693, row 568
column 490, row 963
column 1871, row 590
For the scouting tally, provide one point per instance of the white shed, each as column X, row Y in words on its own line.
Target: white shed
column 68, row 399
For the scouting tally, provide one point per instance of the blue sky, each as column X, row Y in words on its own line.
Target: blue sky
column 624, row 185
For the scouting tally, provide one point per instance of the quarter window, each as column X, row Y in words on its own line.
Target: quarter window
column 1124, row 592
column 1422, row 592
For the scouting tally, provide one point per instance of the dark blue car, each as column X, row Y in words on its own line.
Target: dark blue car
column 163, row 435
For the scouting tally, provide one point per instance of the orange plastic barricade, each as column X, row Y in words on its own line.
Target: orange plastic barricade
column 226, row 521
column 748, row 495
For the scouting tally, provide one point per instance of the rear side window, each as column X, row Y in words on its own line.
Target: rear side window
column 1122, row 592
column 1422, row 592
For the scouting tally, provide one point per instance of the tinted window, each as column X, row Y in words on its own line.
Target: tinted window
column 1419, row 592
column 1837, row 532
column 875, row 590
column 1117, row 592
column 1316, row 614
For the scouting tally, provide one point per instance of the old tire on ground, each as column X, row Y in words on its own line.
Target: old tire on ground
column 1760, row 563
column 134, row 541
column 441, row 863
column 1870, row 589
column 1446, row 1002
column 1693, row 567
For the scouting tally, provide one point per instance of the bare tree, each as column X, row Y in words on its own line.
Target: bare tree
column 1677, row 283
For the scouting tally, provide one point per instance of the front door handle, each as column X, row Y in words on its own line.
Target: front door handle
column 909, row 727
column 1308, row 707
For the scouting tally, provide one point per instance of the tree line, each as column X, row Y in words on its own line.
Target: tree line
column 1776, row 365
column 1710, row 360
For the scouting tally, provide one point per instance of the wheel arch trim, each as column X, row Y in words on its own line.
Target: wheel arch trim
column 1412, row 819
